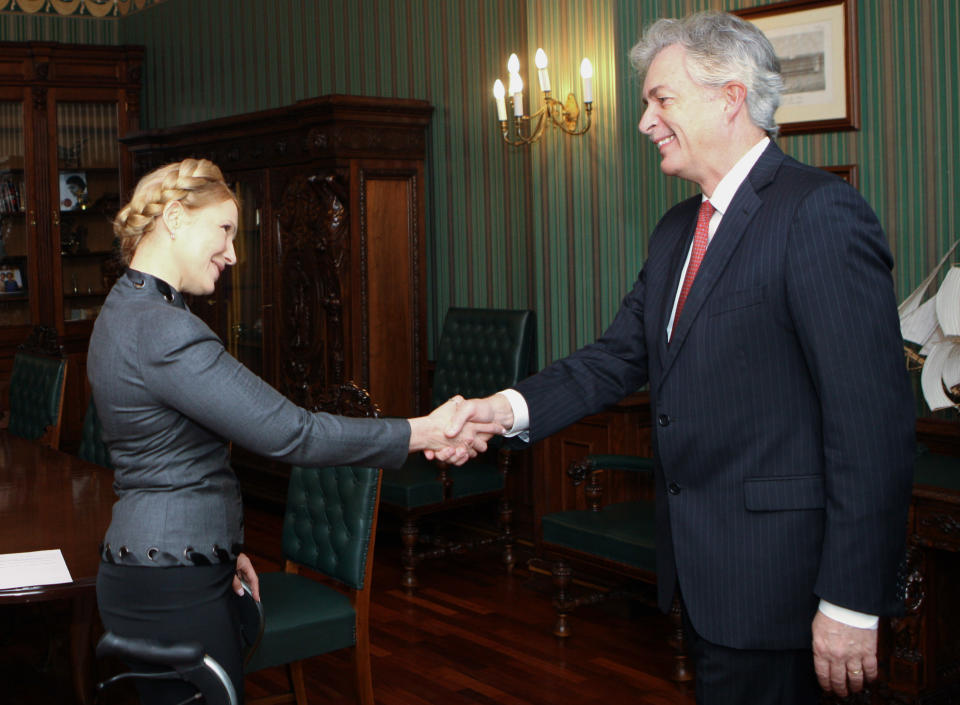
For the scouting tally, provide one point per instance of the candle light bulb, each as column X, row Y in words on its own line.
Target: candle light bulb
column 541, row 61
column 513, row 64
column 498, row 93
column 586, row 68
column 586, row 73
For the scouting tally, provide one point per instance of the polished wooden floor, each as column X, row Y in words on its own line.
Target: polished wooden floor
column 472, row 635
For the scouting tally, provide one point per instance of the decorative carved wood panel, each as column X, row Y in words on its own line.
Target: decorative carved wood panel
column 314, row 242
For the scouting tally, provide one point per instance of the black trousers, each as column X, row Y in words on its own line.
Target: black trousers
column 178, row 604
column 726, row 676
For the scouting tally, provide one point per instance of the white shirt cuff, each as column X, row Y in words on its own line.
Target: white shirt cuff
column 849, row 617
column 521, row 415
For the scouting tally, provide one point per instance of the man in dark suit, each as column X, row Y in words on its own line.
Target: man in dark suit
column 783, row 415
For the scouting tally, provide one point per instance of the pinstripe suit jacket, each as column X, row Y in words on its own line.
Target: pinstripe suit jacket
column 783, row 416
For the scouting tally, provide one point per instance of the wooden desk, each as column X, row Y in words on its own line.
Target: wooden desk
column 48, row 500
column 924, row 653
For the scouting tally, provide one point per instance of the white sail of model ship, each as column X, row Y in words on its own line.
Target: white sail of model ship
column 934, row 325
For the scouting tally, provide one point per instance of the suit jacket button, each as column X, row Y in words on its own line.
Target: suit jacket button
column 673, row 488
column 663, row 420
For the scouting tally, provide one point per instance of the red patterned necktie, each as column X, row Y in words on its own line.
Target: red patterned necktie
column 700, row 237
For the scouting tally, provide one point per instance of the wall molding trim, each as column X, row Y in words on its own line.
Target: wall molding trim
column 105, row 9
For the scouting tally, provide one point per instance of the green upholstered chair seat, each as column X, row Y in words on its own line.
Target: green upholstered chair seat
column 622, row 532
column 302, row 618
column 935, row 470
column 413, row 485
column 416, row 484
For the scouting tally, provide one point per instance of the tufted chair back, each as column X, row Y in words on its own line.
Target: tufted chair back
column 329, row 520
column 482, row 350
column 92, row 448
column 36, row 397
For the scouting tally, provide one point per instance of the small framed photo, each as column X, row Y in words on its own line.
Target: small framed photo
column 816, row 42
column 73, row 191
column 847, row 172
column 10, row 279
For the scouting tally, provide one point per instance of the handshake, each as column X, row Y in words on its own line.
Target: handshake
column 459, row 429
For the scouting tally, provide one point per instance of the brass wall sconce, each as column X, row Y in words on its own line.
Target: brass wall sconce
column 527, row 129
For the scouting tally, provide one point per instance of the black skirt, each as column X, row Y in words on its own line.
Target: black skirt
column 184, row 603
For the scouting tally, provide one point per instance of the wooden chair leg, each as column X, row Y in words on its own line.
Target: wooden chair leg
column 681, row 661
column 361, row 670
column 295, row 670
column 506, row 529
column 561, row 572
column 410, row 535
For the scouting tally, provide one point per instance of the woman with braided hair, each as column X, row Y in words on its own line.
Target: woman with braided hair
column 171, row 399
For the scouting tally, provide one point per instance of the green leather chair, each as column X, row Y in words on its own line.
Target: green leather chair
column 608, row 541
column 36, row 389
column 481, row 351
column 329, row 528
column 92, row 448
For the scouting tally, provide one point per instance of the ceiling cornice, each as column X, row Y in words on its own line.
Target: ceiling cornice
column 106, row 9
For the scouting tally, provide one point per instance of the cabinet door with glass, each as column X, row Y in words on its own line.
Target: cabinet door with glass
column 235, row 311
column 88, row 190
column 15, row 245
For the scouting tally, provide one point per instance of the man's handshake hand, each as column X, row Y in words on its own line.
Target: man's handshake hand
column 470, row 421
column 450, row 433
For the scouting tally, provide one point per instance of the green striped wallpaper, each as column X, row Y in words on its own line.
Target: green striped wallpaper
column 561, row 226
column 19, row 27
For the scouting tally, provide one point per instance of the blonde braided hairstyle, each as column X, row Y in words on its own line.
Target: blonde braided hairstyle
column 195, row 183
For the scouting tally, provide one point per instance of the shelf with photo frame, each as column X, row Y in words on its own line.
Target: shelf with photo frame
column 64, row 109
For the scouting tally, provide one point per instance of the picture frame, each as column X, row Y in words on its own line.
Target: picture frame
column 847, row 172
column 816, row 42
column 11, row 281
column 73, row 191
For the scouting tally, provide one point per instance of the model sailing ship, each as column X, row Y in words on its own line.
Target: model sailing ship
column 934, row 325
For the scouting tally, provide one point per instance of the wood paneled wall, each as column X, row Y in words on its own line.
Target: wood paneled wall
column 560, row 227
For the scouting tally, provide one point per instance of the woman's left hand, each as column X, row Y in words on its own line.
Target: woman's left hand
column 246, row 573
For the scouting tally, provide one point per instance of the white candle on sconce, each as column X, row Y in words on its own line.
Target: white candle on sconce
column 517, row 82
column 498, row 93
column 586, row 73
column 541, row 61
column 515, row 88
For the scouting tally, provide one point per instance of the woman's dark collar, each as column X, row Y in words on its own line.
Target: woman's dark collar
column 141, row 280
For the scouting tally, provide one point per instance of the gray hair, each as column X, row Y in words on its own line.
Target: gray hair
column 722, row 48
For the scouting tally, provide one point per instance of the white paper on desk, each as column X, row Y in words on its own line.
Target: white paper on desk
column 33, row 568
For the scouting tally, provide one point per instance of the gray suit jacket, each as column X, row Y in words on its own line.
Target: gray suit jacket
column 783, row 415
column 170, row 398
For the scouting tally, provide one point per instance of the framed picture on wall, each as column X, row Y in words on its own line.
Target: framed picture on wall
column 847, row 172
column 816, row 42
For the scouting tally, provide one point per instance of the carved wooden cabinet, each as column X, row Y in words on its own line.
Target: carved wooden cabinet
column 330, row 282
column 63, row 108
